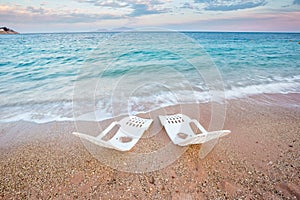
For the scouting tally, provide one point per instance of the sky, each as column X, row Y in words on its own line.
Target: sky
column 28, row 16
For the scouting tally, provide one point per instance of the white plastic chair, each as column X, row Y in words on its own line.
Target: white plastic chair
column 130, row 131
column 180, row 132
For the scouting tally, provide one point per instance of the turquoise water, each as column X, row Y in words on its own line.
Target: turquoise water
column 38, row 72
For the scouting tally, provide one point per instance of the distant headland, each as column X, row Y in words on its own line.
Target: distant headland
column 5, row 30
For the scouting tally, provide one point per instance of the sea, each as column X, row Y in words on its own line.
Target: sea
column 95, row 76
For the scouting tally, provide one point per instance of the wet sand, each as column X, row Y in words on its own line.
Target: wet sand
column 260, row 159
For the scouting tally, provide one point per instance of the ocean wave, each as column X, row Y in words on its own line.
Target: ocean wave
column 105, row 108
column 270, row 88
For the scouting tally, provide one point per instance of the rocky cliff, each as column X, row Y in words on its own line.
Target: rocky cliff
column 5, row 30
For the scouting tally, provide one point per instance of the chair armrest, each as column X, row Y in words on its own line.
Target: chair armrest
column 201, row 128
column 109, row 128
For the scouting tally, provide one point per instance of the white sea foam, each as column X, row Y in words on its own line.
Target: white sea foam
column 62, row 111
column 280, row 88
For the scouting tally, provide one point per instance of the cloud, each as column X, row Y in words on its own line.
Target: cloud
column 138, row 7
column 107, row 3
column 296, row 2
column 187, row 5
column 35, row 10
column 142, row 9
column 229, row 5
column 246, row 21
column 121, row 3
column 32, row 15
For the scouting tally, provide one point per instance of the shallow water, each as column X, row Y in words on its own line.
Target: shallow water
column 41, row 74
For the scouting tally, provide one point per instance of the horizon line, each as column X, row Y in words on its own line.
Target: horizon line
column 182, row 31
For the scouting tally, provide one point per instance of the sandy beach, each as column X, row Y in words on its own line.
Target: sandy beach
column 260, row 159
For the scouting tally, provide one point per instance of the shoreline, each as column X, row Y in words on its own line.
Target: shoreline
column 258, row 160
column 270, row 99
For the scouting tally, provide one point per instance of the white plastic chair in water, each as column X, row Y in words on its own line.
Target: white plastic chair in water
column 130, row 130
column 178, row 127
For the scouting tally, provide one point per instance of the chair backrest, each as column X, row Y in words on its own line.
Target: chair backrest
column 178, row 127
column 134, row 126
column 130, row 131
